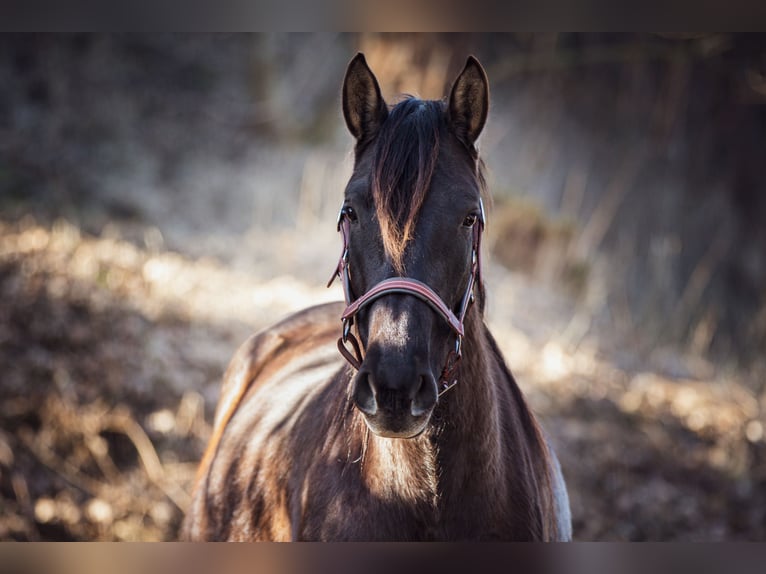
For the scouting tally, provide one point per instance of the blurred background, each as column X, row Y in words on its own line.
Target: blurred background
column 164, row 196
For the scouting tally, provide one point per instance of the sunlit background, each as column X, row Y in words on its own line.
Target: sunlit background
column 164, row 196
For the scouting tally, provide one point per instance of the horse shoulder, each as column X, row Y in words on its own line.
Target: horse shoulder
column 256, row 362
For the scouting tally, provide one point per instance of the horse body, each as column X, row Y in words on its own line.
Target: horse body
column 305, row 447
column 295, row 461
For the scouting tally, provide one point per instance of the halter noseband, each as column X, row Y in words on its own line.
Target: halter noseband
column 408, row 286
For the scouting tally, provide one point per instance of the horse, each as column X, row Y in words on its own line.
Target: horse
column 409, row 427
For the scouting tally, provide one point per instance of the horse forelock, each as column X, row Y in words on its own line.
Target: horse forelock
column 406, row 154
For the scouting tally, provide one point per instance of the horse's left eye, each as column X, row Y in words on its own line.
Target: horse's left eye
column 470, row 220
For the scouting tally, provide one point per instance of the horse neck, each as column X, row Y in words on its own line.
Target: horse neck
column 483, row 459
column 468, row 429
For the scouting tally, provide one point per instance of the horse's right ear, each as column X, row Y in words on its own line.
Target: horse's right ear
column 363, row 105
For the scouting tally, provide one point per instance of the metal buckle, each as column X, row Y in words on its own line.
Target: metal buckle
column 447, row 386
column 346, row 328
column 458, row 345
column 341, row 215
column 481, row 208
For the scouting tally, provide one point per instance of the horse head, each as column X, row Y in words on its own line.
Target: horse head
column 411, row 220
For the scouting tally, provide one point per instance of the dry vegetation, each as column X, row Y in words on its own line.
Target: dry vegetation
column 112, row 355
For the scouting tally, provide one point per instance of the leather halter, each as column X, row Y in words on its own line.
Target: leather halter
column 408, row 286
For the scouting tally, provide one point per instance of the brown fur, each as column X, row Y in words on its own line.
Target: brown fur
column 314, row 472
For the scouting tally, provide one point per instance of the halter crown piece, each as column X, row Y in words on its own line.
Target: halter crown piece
column 408, row 286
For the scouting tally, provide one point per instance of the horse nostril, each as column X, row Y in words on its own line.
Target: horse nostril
column 425, row 396
column 364, row 395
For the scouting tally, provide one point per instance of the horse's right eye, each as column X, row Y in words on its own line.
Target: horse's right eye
column 349, row 212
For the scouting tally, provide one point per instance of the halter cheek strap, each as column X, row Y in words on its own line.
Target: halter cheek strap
column 409, row 286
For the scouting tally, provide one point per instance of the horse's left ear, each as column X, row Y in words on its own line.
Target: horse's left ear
column 469, row 102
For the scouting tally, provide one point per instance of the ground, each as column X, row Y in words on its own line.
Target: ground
column 112, row 352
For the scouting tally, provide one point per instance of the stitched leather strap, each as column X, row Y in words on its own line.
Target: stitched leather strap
column 411, row 287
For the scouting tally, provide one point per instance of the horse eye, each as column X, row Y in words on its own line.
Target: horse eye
column 470, row 220
column 349, row 212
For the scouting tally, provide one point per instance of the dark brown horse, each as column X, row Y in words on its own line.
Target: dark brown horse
column 425, row 434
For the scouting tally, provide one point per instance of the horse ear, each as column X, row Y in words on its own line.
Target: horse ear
column 363, row 106
column 469, row 102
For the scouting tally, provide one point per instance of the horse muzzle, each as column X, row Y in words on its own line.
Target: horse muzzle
column 395, row 403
